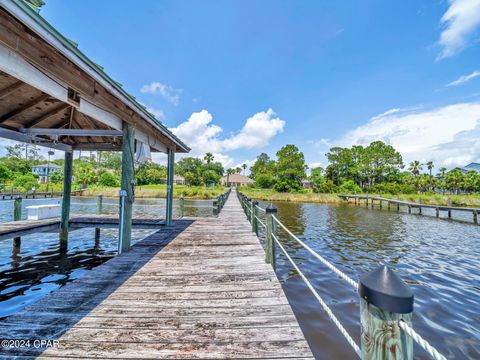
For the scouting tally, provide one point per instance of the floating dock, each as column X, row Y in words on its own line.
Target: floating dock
column 197, row 289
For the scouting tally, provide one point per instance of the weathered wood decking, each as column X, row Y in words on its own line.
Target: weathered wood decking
column 18, row 228
column 197, row 289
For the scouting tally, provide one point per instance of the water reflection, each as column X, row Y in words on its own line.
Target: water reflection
column 440, row 259
column 39, row 266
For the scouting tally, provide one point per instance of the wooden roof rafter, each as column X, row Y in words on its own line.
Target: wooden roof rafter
column 65, row 70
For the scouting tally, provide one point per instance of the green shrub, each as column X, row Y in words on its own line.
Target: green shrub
column 107, row 179
column 25, row 182
column 265, row 181
column 349, row 187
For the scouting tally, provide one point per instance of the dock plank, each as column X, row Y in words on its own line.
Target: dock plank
column 197, row 290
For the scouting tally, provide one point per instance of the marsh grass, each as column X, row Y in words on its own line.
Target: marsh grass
column 160, row 191
column 428, row 199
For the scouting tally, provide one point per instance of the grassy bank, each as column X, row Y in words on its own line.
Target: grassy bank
column 160, row 191
column 430, row 199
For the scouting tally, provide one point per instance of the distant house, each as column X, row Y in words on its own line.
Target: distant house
column 236, row 180
column 472, row 166
column 177, row 180
column 307, row 184
column 44, row 171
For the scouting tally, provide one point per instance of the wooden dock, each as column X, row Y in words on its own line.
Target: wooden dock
column 370, row 200
column 195, row 290
column 23, row 227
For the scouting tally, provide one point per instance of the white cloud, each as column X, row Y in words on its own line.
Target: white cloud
column 167, row 91
column 203, row 136
column 447, row 135
column 464, row 78
column 460, row 22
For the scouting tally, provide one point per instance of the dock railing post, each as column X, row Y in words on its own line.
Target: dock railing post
column 385, row 300
column 121, row 247
column 17, row 216
column 215, row 206
column 254, row 217
column 181, row 206
column 270, row 211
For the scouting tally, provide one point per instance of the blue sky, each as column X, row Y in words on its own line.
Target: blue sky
column 332, row 72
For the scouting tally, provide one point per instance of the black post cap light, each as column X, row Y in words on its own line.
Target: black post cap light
column 271, row 209
column 383, row 288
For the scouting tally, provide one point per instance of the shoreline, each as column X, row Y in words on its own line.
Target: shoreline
column 320, row 198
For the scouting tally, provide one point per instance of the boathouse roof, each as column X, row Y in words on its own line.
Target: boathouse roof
column 472, row 166
column 46, row 82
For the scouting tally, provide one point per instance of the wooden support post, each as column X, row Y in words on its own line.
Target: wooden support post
column 67, row 189
column 381, row 204
column 420, row 210
column 254, row 216
column 215, row 206
column 385, row 300
column 270, row 211
column 127, row 187
column 17, row 216
column 99, row 204
column 398, row 207
column 437, row 212
column 409, row 209
column 388, row 205
column 170, row 172
column 449, row 210
column 181, row 206
column 475, row 216
column 99, row 211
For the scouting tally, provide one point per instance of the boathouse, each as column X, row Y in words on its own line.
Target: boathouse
column 52, row 95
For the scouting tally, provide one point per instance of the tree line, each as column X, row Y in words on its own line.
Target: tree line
column 376, row 168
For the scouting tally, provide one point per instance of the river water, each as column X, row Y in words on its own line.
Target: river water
column 438, row 258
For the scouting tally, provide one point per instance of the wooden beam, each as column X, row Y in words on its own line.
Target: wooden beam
column 67, row 189
column 18, row 136
column 128, row 170
column 16, row 66
column 23, row 108
column 11, row 88
column 47, row 115
column 71, row 132
column 97, row 147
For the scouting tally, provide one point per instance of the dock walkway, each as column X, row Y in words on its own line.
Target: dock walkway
column 197, row 289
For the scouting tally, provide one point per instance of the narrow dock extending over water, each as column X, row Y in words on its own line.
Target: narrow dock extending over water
column 196, row 289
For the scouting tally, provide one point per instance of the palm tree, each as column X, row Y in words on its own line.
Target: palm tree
column 208, row 157
column 442, row 171
column 238, row 169
column 430, row 167
column 415, row 167
column 244, row 166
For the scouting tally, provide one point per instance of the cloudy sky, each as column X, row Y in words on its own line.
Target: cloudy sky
column 237, row 78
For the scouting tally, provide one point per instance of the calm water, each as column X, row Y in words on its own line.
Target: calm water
column 438, row 258
column 38, row 267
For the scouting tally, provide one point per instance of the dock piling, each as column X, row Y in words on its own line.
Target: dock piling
column 270, row 211
column 17, row 216
column 181, row 206
column 385, row 300
column 67, row 189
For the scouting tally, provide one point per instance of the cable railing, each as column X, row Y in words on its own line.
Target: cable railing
column 386, row 302
column 217, row 205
